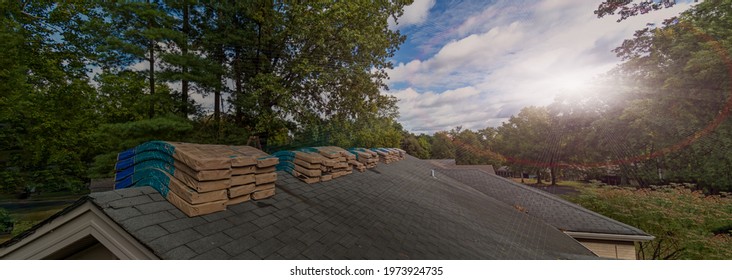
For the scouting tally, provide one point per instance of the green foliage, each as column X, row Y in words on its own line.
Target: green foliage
column 6, row 222
column 687, row 224
column 671, row 123
column 474, row 148
column 46, row 96
column 84, row 80
column 417, row 147
column 115, row 138
column 442, row 146
column 525, row 140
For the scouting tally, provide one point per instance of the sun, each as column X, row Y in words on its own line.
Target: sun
column 569, row 85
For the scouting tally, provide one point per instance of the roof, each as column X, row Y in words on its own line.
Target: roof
column 395, row 211
column 564, row 215
column 451, row 164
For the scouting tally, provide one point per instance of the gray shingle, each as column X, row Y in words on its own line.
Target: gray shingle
column 217, row 216
column 177, row 213
column 289, row 235
column 240, row 245
column 247, row 255
column 266, row 233
column 131, row 192
column 244, row 229
column 335, row 251
column 123, row 214
column 315, row 251
column 168, row 242
column 142, row 221
column 182, row 223
column 154, row 207
column 150, row 233
column 213, row 227
column 130, row 201
column 264, row 221
column 103, row 198
column 266, row 248
column 215, row 254
column 264, row 211
column 241, row 218
column 209, row 242
column 242, row 208
column 156, row 197
column 310, row 237
column 292, row 249
column 180, row 253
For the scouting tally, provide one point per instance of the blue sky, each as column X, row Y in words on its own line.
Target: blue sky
column 476, row 63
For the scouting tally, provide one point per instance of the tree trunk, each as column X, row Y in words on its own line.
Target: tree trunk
column 553, row 171
column 238, row 94
column 217, row 91
column 184, row 69
column 521, row 173
column 538, row 176
column 151, row 59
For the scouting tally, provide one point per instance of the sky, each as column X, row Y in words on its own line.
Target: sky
column 474, row 63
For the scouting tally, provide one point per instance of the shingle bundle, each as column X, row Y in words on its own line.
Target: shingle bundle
column 389, row 155
column 304, row 165
column 336, row 163
column 366, row 157
column 198, row 179
column 316, row 164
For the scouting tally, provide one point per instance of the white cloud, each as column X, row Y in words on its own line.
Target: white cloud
column 508, row 56
column 459, row 60
column 426, row 112
column 414, row 14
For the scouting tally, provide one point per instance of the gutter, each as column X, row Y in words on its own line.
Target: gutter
column 608, row 236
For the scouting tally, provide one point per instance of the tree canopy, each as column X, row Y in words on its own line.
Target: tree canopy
column 84, row 80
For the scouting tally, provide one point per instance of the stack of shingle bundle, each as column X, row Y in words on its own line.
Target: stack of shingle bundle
column 402, row 154
column 351, row 158
column 336, row 162
column 304, row 165
column 253, row 173
column 198, row 179
column 366, row 157
column 389, row 155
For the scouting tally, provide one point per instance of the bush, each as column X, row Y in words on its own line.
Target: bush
column 6, row 222
column 687, row 224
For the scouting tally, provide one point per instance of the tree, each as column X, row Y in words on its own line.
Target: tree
column 678, row 106
column 137, row 32
column 442, row 146
column 525, row 141
column 46, row 96
column 626, row 8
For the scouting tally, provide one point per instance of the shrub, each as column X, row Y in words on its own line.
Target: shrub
column 6, row 222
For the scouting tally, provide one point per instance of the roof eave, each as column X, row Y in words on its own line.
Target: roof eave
column 609, row 236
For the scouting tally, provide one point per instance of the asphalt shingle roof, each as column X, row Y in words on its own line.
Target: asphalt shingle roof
column 560, row 213
column 395, row 211
column 451, row 164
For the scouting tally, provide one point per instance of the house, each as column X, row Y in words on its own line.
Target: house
column 604, row 236
column 394, row 211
